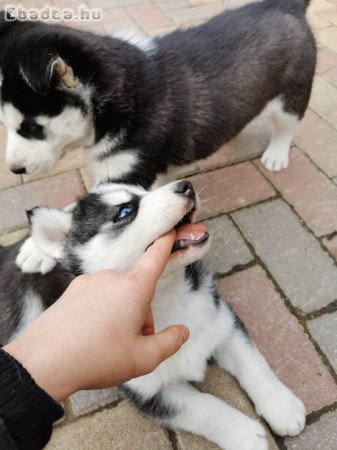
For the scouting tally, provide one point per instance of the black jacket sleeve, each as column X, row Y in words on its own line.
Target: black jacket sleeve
column 27, row 412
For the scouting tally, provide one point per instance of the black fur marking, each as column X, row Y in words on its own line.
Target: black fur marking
column 154, row 406
column 215, row 296
column 193, row 274
column 91, row 213
column 238, row 322
column 30, row 129
column 15, row 284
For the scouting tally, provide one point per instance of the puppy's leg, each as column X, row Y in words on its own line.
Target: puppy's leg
column 182, row 406
column 284, row 412
column 276, row 157
column 30, row 258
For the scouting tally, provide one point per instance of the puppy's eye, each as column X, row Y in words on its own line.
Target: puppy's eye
column 31, row 128
column 124, row 212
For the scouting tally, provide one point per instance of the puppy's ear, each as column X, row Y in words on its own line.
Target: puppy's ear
column 49, row 228
column 38, row 69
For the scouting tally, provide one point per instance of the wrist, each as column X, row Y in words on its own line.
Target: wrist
column 42, row 366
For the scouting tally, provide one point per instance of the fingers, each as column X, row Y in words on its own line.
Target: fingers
column 158, row 347
column 154, row 260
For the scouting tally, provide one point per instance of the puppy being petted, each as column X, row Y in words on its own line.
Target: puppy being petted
column 112, row 227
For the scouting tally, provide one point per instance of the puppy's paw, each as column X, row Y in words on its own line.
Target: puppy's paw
column 275, row 160
column 31, row 260
column 245, row 434
column 284, row 412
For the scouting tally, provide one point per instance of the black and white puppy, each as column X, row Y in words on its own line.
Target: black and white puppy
column 143, row 107
column 111, row 227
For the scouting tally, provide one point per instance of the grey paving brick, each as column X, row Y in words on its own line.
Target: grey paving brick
column 228, row 249
column 306, row 274
column 120, row 428
column 85, row 401
column 324, row 331
column 321, row 435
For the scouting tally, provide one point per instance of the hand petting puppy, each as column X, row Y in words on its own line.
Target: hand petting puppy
column 100, row 333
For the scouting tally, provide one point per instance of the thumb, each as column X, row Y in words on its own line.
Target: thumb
column 160, row 346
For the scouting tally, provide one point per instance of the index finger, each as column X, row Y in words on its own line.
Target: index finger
column 152, row 264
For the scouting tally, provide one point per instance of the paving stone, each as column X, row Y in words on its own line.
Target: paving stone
column 317, row 23
column 324, row 99
column 327, row 64
column 13, row 237
column 72, row 160
column 329, row 14
column 149, row 16
column 279, row 336
column 331, row 245
column 201, row 12
column 85, row 401
column 294, row 257
column 167, row 5
column 7, row 178
column 228, row 249
column 321, row 435
column 312, row 194
column 120, row 428
column 108, row 4
column 251, row 142
column 320, row 5
column 114, row 15
column 87, row 177
column 324, row 331
column 123, row 25
column 225, row 387
column 58, row 191
column 328, row 37
column 230, row 188
column 318, row 140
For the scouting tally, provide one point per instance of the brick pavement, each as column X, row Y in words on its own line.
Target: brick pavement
column 274, row 245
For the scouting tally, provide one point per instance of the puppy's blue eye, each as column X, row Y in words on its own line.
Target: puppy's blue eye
column 124, row 212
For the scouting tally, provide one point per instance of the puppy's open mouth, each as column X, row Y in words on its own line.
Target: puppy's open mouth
column 189, row 233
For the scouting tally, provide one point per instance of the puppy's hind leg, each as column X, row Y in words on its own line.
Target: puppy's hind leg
column 180, row 405
column 284, row 412
column 284, row 123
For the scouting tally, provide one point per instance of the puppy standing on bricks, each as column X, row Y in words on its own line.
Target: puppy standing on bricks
column 111, row 228
column 143, row 107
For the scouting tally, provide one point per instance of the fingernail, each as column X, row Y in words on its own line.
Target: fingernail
column 185, row 333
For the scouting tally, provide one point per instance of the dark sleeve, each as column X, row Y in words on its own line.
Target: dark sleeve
column 27, row 413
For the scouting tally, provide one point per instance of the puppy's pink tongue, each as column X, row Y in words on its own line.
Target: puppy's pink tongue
column 191, row 232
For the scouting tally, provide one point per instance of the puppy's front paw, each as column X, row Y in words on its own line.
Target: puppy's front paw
column 245, row 434
column 284, row 412
column 31, row 260
column 275, row 160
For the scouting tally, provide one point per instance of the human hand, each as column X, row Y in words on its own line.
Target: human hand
column 100, row 332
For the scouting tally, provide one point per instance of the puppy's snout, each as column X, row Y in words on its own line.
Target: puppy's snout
column 185, row 188
column 18, row 170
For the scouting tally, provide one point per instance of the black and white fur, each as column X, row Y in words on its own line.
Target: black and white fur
column 90, row 238
column 144, row 107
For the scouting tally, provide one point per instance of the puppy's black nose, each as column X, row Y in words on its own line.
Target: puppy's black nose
column 19, row 170
column 185, row 187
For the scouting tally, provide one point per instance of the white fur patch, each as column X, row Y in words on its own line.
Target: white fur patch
column 276, row 157
column 32, row 308
column 143, row 42
column 115, row 166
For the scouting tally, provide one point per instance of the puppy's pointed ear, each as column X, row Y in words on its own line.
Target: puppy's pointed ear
column 49, row 228
column 38, row 69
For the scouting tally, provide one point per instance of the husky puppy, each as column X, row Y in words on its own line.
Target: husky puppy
column 111, row 227
column 143, row 107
